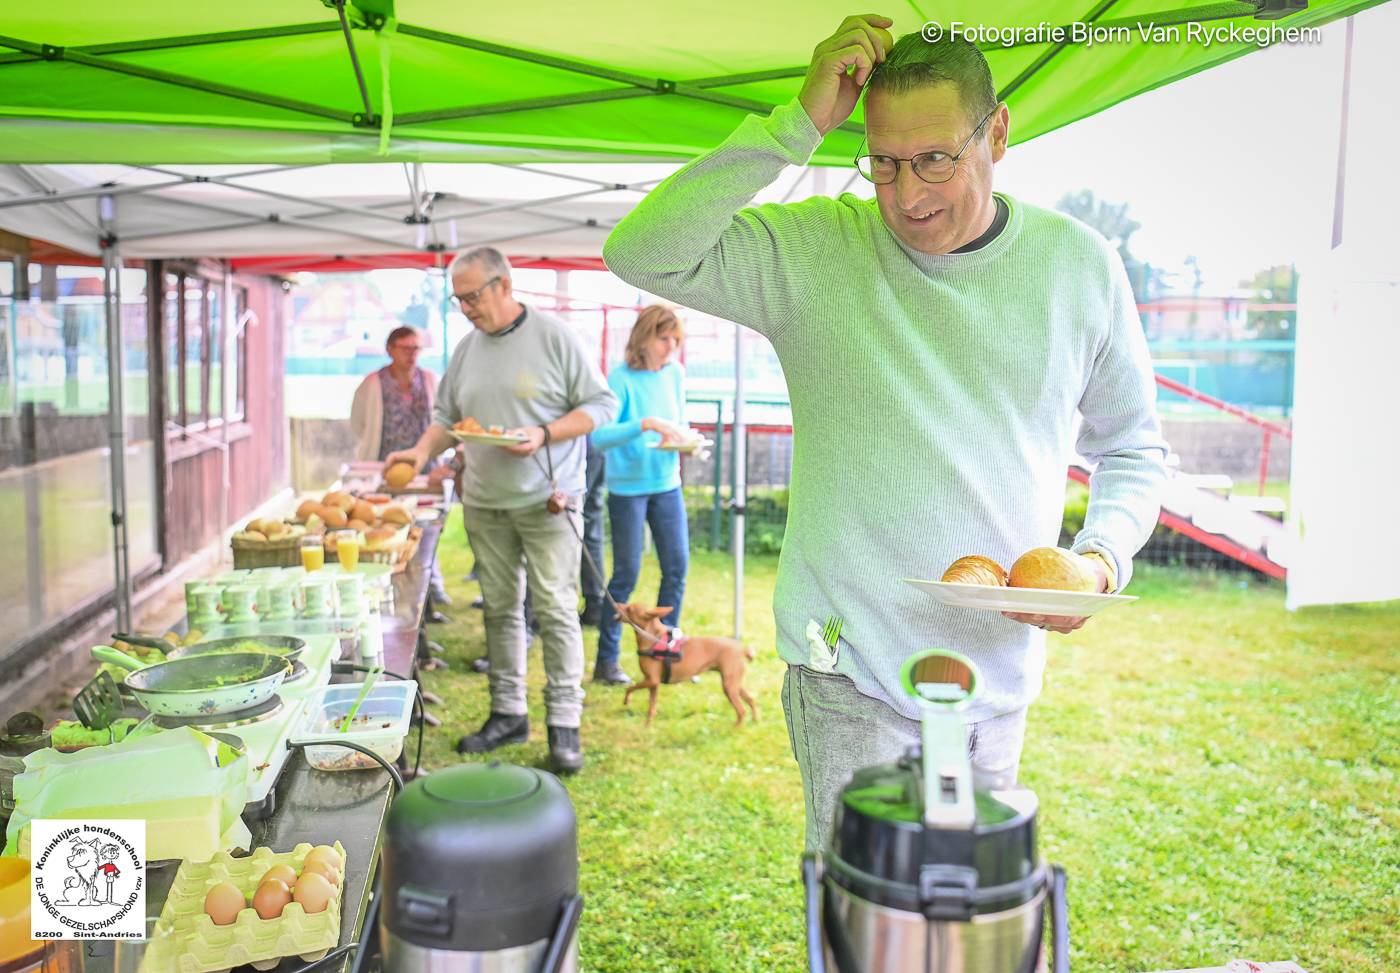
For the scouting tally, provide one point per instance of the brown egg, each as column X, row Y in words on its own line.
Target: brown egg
column 313, row 893
column 283, row 873
column 329, row 872
column 271, row 898
column 223, row 903
column 324, row 853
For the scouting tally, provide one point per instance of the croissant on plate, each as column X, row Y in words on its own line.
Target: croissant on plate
column 976, row 569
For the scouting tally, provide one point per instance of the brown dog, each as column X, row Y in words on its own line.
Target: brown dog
column 696, row 654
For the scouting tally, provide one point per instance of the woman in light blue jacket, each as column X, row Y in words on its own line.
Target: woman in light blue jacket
column 644, row 483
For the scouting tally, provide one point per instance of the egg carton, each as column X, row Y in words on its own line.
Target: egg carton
column 185, row 939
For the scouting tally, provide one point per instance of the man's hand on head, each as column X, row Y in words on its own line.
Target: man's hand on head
column 840, row 66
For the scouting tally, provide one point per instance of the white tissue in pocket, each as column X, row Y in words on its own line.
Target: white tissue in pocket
column 820, row 656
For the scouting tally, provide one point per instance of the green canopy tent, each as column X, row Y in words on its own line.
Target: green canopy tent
column 270, row 82
column 165, row 81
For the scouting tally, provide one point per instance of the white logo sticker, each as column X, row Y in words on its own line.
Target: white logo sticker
column 89, row 879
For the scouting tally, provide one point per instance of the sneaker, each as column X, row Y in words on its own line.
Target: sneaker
column 498, row 730
column 482, row 664
column 439, row 595
column 611, row 673
column 565, row 749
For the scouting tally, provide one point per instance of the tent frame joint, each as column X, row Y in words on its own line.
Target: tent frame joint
column 365, row 120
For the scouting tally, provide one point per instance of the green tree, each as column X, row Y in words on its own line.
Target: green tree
column 1117, row 227
column 1277, row 285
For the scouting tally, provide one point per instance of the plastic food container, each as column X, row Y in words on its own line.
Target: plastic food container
column 381, row 723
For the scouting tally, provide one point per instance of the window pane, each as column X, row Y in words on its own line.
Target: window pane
column 216, row 352
column 7, row 342
column 237, row 367
column 195, row 311
column 54, row 463
column 170, row 311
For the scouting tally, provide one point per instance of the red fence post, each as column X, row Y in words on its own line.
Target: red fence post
column 1264, row 461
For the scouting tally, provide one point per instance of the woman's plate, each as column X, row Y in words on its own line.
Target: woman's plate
column 689, row 446
column 1028, row 601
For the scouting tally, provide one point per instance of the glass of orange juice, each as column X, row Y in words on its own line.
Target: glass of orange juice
column 313, row 553
column 347, row 548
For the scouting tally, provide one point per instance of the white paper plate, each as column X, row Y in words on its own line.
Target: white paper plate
column 488, row 439
column 687, row 447
column 1030, row 601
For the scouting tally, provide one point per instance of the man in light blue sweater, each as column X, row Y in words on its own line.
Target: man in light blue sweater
column 937, row 343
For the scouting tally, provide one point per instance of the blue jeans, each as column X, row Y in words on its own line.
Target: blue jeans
column 665, row 512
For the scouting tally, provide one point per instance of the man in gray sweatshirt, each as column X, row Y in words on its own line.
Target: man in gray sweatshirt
column 937, row 342
column 528, row 373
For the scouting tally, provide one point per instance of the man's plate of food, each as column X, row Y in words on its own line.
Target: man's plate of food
column 471, row 431
column 1043, row 581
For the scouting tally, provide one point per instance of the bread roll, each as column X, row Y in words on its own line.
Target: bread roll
column 307, row 508
column 1051, row 567
column 377, row 538
column 398, row 476
column 355, row 523
column 334, row 516
column 976, row 569
column 362, row 511
column 395, row 514
column 341, row 500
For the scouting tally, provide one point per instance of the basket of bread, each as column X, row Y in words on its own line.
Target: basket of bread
column 386, row 529
column 267, row 543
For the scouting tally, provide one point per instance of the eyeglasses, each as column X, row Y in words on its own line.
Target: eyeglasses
column 934, row 167
column 471, row 297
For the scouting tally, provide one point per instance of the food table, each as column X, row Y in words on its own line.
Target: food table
column 320, row 807
column 313, row 807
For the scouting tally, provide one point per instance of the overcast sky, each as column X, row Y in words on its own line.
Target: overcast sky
column 1237, row 165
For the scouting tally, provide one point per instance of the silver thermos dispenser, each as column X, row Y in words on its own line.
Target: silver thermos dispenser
column 479, row 874
column 924, row 873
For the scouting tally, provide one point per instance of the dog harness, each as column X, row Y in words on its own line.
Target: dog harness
column 668, row 650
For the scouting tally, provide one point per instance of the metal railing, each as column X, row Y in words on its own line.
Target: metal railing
column 1268, row 429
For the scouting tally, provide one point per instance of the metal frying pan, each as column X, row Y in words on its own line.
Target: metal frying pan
column 288, row 647
column 200, row 685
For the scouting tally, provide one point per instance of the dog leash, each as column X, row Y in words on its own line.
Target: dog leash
column 583, row 545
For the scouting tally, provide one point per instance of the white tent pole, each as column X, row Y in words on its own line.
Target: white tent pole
column 116, row 412
column 738, row 446
column 1339, row 199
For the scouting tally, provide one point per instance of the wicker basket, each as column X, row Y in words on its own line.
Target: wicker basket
column 285, row 552
column 398, row 554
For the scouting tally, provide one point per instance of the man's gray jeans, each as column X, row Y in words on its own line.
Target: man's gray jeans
column 835, row 730
column 550, row 545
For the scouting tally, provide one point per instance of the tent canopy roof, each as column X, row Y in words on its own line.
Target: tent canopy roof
column 418, row 80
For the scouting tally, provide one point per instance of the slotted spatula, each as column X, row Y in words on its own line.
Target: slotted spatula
column 98, row 703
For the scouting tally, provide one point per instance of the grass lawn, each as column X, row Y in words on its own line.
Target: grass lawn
column 1218, row 776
